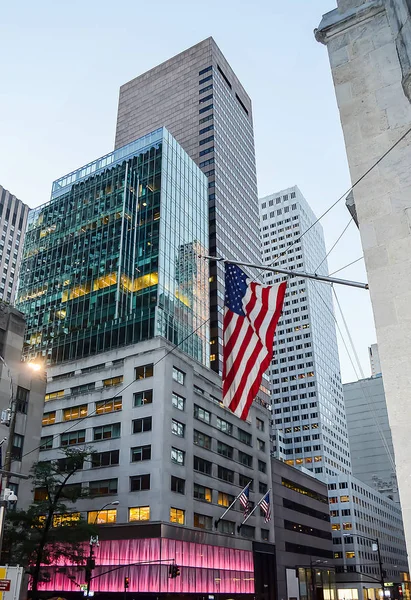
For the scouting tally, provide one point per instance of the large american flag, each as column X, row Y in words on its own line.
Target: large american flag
column 244, row 498
column 266, row 507
column 251, row 315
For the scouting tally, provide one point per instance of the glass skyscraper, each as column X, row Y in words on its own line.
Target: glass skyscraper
column 198, row 97
column 113, row 257
column 310, row 426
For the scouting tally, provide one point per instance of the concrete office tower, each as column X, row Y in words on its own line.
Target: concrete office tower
column 22, row 390
column 369, row 434
column 369, row 48
column 112, row 259
column 197, row 96
column 374, row 360
column 303, row 536
column 13, row 221
column 307, row 396
column 360, row 516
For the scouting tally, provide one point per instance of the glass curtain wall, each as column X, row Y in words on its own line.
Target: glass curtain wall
column 112, row 259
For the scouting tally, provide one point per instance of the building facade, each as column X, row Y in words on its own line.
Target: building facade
column 374, row 360
column 113, row 258
column 197, row 96
column 13, row 222
column 362, row 517
column 171, row 493
column 303, row 537
column 369, row 433
column 308, row 403
column 369, row 46
column 22, row 391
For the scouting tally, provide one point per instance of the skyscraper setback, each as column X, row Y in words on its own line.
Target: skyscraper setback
column 309, row 416
column 197, row 96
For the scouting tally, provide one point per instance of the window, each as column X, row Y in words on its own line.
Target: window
column 139, row 483
column 105, row 459
column 203, row 521
column 103, row 488
column 262, row 487
column 108, row 406
column 303, row 490
column 178, row 375
column 143, row 398
column 72, row 438
column 113, row 381
column 75, row 412
column 22, row 400
column 140, row 453
column 49, row 418
column 225, row 474
column 205, row 70
column 139, row 513
column 259, row 424
column 177, row 456
column 224, row 426
column 102, row 517
column 265, row 535
column 261, row 445
column 178, row 401
column 350, row 554
column 177, row 428
column 201, row 414
column 225, row 499
column 225, row 450
column 177, row 515
column 244, row 480
column 106, row 432
column 141, row 425
column 344, row 498
column 144, row 371
column 203, row 440
column 53, row 395
column 46, row 442
column 201, row 465
column 17, row 447
column 244, row 437
column 245, row 459
column 262, row 466
column 202, row 493
column 82, row 389
column 247, row 531
column 227, row 527
column 178, row 485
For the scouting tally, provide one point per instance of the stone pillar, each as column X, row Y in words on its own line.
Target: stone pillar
column 375, row 113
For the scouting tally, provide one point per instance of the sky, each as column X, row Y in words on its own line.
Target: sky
column 62, row 64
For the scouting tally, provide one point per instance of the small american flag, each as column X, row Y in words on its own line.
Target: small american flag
column 244, row 498
column 251, row 315
column 266, row 507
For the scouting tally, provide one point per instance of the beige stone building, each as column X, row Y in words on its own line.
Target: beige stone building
column 369, row 45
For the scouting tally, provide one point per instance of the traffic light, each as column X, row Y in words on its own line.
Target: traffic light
column 126, row 582
column 173, row 571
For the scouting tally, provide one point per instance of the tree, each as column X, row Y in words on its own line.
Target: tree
column 47, row 530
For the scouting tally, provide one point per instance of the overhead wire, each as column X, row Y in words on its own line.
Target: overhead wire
column 346, row 266
column 334, row 245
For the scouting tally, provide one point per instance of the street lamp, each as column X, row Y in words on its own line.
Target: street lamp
column 375, row 548
column 94, row 542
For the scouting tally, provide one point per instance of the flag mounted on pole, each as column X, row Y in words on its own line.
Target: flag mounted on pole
column 266, row 507
column 251, row 315
column 245, row 499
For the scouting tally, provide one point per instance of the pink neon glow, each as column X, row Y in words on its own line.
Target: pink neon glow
column 204, row 569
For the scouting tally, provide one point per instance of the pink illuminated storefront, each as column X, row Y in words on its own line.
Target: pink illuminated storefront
column 210, row 564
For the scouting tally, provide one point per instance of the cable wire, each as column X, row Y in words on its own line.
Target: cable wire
column 349, row 265
column 334, row 245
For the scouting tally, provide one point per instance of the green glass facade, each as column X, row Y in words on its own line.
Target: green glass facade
column 113, row 258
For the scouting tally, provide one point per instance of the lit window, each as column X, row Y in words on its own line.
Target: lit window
column 350, row 554
column 102, row 517
column 113, row 381
column 72, row 438
column 144, row 371
column 139, row 513
column 347, row 526
column 344, row 498
column 177, row 515
column 224, row 499
column 336, row 527
column 75, row 412
column 49, row 418
column 202, row 493
column 108, row 406
column 53, row 395
column 143, row 398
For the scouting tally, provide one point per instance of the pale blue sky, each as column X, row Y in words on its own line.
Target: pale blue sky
column 62, row 64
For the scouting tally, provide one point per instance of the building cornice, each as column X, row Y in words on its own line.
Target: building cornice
column 335, row 22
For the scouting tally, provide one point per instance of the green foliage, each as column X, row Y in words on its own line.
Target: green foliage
column 49, row 529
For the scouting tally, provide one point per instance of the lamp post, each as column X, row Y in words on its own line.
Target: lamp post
column 94, row 542
column 375, row 548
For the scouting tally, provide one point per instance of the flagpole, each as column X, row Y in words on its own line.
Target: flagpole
column 325, row 278
column 231, row 505
column 254, row 509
